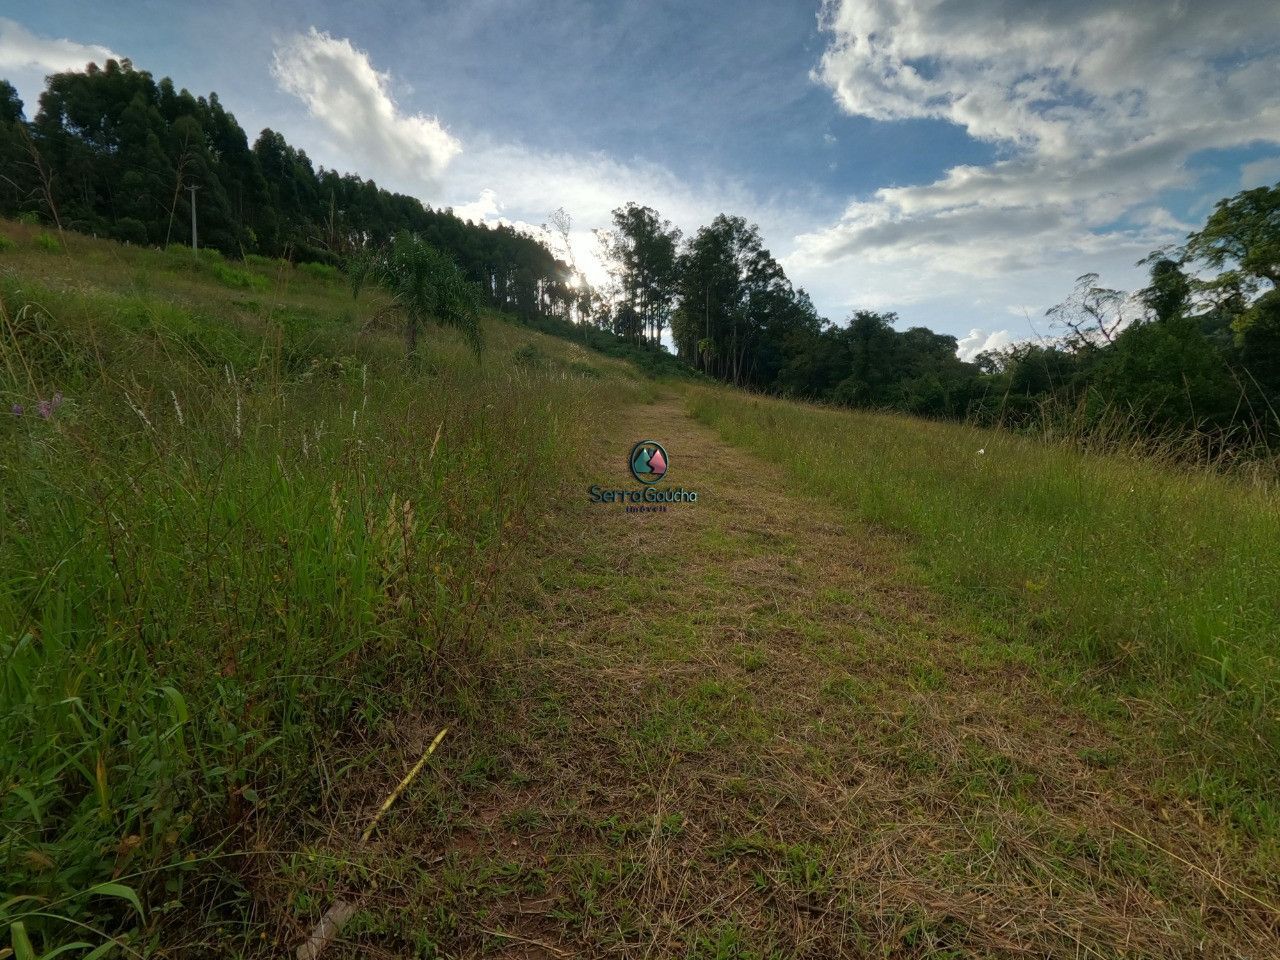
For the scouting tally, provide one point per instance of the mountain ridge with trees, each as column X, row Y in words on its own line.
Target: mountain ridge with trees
column 1195, row 354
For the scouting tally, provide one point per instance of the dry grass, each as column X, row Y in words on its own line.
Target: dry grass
column 735, row 730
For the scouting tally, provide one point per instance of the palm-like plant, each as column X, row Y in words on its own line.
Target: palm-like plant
column 424, row 284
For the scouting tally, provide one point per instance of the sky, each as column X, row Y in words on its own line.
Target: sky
column 959, row 162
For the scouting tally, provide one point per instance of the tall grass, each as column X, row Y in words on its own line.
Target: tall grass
column 226, row 535
column 1166, row 576
column 1090, row 425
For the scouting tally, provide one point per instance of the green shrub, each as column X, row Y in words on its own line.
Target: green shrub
column 652, row 361
column 130, row 230
column 238, row 279
column 48, row 242
column 6, row 243
column 321, row 271
column 426, row 286
column 530, row 355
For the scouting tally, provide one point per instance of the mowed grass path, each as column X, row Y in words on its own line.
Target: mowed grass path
column 733, row 730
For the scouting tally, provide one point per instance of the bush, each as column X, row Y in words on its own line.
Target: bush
column 320, row 271
column 652, row 361
column 1167, row 377
column 237, row 279
column 130, row 230
column 530, row 356
column 1258, row 331
column 264, row 263
column 426, row 284
column 48, row 242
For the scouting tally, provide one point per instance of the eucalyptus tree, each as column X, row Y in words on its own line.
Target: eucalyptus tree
column 111, row 151
column 733, row 297
column 641, row 250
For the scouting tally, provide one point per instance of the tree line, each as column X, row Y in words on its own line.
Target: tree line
column 113, row 152
column 1196, row 352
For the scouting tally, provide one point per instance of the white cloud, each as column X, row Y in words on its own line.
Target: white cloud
column 1094, row 105
column 482, row 208
column 20, row 49
column 353, row 101
column 25, row 58
column 520, row 186
column 1260, row 173
column 492, row 181
column 979, row 340
column 1159, row 218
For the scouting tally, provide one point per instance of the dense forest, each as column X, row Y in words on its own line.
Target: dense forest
column 1194, row 354
column 111, row 151
column 114, row 153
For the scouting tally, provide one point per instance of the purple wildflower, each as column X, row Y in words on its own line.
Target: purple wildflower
column 16, row 409
column 47, row 408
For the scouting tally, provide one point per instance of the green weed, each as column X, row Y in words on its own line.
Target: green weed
column 225, row 539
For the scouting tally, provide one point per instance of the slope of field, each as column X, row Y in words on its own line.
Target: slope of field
column 1154, row 585
column 744, row 729
column 235, row 526
column 888, row 688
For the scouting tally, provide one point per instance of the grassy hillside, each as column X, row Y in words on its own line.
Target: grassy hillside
column 236, row 526
column 1158, row 582
column 745, row 729
column 890, row 687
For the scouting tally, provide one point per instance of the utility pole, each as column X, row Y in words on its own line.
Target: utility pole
column 194, row 246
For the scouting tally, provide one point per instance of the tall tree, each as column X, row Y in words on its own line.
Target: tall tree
column 111, row 151
column 15, row 182
column 734, row 300
column 1091, row 316
column 641, row 250
column 1242, row 235
column 1168, row 294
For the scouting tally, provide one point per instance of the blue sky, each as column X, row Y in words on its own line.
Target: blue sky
column 959, row 162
